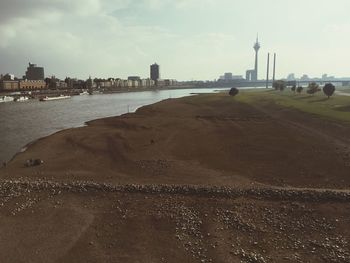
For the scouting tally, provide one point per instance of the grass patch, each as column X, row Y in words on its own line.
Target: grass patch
column 337, row 107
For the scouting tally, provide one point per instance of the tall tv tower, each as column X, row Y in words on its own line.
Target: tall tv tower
column 256, row 48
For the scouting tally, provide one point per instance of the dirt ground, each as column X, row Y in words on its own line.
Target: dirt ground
column 207, row 140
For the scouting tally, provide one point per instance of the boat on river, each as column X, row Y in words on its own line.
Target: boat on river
column 21, row 98
column 61, row 97
column 6, row 99
column 84, row 93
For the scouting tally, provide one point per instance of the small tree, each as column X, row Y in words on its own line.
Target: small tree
column 294, row 88
column 313, row 88
column 329, row 89
column 279, row 85
column 300, row 89
column 233, row 92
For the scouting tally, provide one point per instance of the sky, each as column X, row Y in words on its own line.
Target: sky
column 190, row 39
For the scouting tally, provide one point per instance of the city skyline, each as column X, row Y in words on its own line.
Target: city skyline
column 192, row 40
column 155, row 70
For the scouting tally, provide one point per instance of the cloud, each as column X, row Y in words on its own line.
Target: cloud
column 189, row 38
column 82, row 34
column 179, row 4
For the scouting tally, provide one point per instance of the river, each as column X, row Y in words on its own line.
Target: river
column 25, row 122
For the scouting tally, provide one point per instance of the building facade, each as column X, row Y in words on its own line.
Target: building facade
column 228, row 76
column 31, row 84
column 134, row 78
column 34, row 72
column 155, row 72
column 8, row 77
column 16, row 85
column 58, row 84
column 9, row 85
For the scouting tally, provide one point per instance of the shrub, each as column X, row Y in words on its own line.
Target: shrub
column 294, row 88
column 233, row 92
column 279, row 85
column 313, row 88
column 300, row 89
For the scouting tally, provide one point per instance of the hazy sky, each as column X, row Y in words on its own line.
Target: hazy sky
column 190, row 39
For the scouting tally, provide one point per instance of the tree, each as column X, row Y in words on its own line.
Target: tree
column 279, row 85
column 329, row 89
column 294, row 88
column 313, row 88
column 233, row 92
column 300, row 89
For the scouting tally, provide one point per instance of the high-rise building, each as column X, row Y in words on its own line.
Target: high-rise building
column 34, row 72
column 155, row 74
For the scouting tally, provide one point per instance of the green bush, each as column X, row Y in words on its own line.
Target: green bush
column 233, row 92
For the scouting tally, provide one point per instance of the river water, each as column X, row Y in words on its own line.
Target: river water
column 24, row 122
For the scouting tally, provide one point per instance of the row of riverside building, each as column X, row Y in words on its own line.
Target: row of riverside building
column 34, row 79
column 131, row 82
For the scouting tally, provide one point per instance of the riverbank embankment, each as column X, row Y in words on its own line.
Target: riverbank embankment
column 207, row 178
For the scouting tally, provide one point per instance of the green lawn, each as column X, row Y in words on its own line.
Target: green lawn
column 337, row 107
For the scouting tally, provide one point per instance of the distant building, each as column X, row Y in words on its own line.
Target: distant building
column 134, row 78
column 170, row 82
column 327, row 78
column 34, row 73
column 155, row 73
column 103, row 83
column 69, row 82
column 54, row 83
column 89, row 84
column 228, row 76
column 128, row 83
column 237, row 77
column 9, row 85
column 304, row 77
column 32, row 84
column 134, row 81
column 15, row 85
column 166, row 82
column 250, row 75
column 291, row 76
column 8, row 77
column 118, row 83
column 146, row 83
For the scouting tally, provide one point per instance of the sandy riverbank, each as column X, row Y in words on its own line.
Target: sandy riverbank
column 207, row 140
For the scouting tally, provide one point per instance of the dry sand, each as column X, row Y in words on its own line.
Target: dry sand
column 197, row 179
